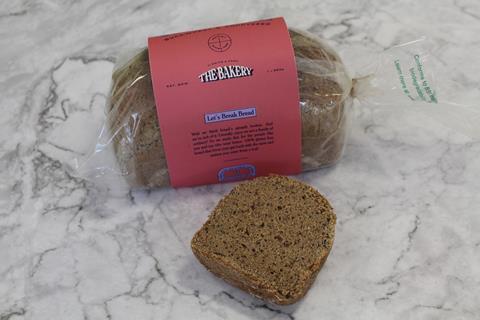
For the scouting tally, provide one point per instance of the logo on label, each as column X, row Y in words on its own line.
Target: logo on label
column 220, row 42
column 240, row 172
column 226, row 72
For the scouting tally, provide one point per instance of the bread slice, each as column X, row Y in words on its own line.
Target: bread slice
column 134, row 125
column 269, row 236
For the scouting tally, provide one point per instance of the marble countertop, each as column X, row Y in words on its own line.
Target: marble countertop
column 406, row 192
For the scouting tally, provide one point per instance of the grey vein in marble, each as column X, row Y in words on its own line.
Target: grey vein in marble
column 406, row 192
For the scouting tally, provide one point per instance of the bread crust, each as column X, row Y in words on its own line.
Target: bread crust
column 234, row 275
column 231, row 269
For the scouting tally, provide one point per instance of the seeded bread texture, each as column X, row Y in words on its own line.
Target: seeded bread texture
column 136, row 134
column 134, row 125
column 269, row 236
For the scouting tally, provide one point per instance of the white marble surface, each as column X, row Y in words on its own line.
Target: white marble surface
column 406, row 193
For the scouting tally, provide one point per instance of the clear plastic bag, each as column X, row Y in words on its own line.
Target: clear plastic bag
column 129, row 148
column 130, row 143
column 407, row 76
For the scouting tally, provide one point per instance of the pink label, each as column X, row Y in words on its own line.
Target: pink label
column 227, row 102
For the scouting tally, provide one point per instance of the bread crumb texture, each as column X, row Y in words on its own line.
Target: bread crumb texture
column 269, row 236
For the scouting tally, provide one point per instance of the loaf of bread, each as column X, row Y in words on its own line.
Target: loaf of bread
column 324, row 96
column 270, row 236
